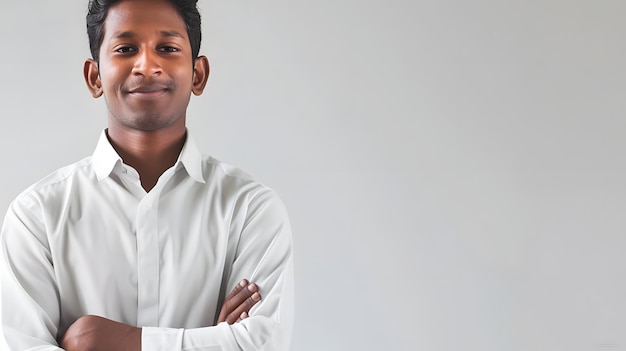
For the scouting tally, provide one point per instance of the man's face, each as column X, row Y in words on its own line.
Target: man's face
column 146, row 67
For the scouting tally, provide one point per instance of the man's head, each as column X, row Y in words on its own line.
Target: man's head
column 145, row 61
column 99, row 9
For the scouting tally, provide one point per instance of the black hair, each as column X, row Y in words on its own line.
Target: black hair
column 98, row 10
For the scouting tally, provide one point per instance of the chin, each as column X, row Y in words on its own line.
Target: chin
column 150, row 124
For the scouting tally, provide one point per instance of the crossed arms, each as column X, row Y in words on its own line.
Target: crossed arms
column 94, row 333
column 35, row 302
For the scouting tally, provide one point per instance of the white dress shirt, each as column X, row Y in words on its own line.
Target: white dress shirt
column 89, row 240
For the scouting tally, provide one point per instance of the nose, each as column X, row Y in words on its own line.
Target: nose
column 147, row 63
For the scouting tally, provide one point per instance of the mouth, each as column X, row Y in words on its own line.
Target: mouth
column 148, row 92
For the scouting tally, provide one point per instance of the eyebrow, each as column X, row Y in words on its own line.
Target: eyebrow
column 171, row 33
column 164, row 33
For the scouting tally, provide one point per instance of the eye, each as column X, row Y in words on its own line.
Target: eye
column 168, row 49
column 125, row 49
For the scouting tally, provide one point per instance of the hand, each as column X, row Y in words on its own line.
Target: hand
column 93, row 333
column 239, row 302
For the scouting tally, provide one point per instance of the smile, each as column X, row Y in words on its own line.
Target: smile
column 148, row 93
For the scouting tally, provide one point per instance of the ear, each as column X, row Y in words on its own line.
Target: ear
column 200, row 74
column 92, row 78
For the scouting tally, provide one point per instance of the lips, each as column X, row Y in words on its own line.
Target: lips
column 151, row 91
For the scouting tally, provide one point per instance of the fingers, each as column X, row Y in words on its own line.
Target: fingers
column 242, row 317
column 238, row 303
column 240, row 293
column 242, row 284
column 252, row 297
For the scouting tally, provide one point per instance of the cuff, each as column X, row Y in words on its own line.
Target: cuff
column 161, row 339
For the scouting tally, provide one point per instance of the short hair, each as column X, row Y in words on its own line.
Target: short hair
column 99, row 9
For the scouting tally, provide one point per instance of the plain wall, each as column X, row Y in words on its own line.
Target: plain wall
column 454, row 169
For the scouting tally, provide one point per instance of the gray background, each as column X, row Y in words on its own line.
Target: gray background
column 454, row 170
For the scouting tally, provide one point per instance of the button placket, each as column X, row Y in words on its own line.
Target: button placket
column 148, row 261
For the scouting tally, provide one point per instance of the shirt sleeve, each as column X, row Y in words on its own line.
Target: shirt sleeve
column 264, row 255
column 29, row 298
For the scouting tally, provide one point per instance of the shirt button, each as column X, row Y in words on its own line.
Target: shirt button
column 124, row 171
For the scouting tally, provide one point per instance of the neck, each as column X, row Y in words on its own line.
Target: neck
column 150, row 153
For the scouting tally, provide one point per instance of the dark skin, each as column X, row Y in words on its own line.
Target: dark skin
column 146, row 74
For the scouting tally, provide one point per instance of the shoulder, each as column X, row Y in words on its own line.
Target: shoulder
column 231, row 178
column 219, row 168
column 237, row 185
column 57, row 181
column 33, row 205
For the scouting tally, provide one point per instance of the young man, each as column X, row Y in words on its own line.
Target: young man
column 137, row 246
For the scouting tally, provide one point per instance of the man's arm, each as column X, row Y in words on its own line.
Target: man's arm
column 29, row 295
column 99, row 333
column 91, row 333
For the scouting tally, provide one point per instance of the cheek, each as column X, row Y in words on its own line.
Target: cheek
column 182, row 74
column 108, row 81
column 112, row 75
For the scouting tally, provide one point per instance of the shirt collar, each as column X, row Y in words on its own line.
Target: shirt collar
column 191, row 158
column 105, row 159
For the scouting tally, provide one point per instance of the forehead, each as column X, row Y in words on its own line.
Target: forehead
column 143, row 16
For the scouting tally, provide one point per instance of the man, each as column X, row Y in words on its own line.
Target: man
column 137, row 246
